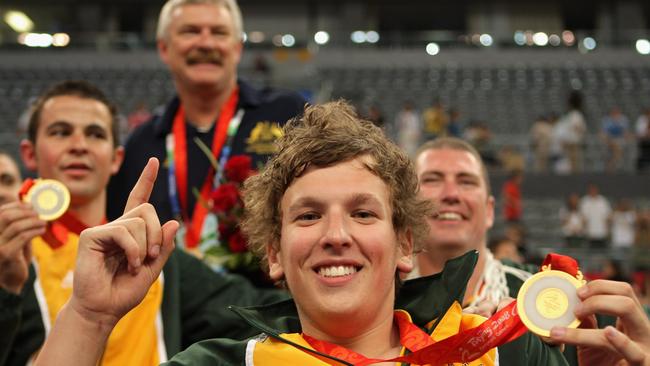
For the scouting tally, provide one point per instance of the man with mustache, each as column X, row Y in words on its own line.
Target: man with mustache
column 201, row 44
column 72, row 138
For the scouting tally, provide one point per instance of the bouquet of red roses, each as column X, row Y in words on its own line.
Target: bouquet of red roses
column 227, row 204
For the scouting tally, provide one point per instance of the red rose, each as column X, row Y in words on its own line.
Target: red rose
column 224, row 230
column 237, row 243
column 238, row 168
column 225, row 197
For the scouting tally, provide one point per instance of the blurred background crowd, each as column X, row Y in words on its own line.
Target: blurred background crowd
column 554, row 95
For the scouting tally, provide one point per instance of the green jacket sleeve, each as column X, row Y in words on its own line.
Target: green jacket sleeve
column 21, row 326
column 530, row 350
column 196, row 300
column 213, row 352
column 10, row 314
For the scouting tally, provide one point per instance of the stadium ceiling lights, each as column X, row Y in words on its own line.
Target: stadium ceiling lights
column 485, row 40
column 568, row 38
column 433, row 49
column 321, row 37
column 528, row 38
column 643, row 46
column 288, row 40
column 256, row 37
column 18, row 21
column 589, row 43
column 372, row 37
column 362, row 37
column 554, row 40
column 44, row 40
column 520, row 38
column 540, row 39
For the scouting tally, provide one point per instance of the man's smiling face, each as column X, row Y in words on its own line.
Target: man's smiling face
column 453, row 180
column 339, row 251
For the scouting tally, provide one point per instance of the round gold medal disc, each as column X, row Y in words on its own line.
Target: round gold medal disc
column 546, row 300
column 50, row 198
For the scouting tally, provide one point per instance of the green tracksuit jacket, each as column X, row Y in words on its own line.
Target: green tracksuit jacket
column 425, row 298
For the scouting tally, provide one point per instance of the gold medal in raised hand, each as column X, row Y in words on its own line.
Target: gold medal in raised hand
column 50, row 198
column 547, row 299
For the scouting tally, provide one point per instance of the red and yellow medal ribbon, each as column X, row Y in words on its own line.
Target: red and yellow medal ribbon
column 502, row 327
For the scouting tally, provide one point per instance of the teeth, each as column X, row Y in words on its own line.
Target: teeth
column 453, row 216
column 336, row 271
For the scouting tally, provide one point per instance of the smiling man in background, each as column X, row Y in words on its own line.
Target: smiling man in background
column 453, row 176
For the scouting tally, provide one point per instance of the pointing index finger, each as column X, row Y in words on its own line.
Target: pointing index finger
column 143, row 187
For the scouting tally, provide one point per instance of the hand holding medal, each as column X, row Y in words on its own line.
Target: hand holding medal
column 553, row 302
column 626, row 344
column 49, row 198
column 548, row 299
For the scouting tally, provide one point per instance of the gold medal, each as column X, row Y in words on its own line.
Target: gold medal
column 50, row 198
column 547, row 299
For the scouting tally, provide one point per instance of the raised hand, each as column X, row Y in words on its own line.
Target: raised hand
column 118, row 262
column 116, row 265
column 19, row 224
column 627, row 344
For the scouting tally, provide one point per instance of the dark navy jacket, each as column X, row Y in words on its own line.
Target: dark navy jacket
column 265, row 111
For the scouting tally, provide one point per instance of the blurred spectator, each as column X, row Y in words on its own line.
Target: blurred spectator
column 138, row 116
column 261, row 65
column 615, row 131
column 23, row 119
column 516, row 232
column 642, row 240
column 623, row 222
column 643, row 292
column 596, row 209
column 504, row 248
column 559, row 161
column 409, row 129
column 261, row 70
column 375, row 116
column 511, row 159
column 541, row 135
column 479, row 135
column 10, row 179
column 435, row 120
column 571, row 130
column 573, row 223
column 511, row 197
column 643, row 138
column 454, row 127
column 613, row 271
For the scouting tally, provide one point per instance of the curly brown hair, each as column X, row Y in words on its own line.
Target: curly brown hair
column 323, row 136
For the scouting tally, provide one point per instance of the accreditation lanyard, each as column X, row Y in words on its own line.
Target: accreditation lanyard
column 226, row 129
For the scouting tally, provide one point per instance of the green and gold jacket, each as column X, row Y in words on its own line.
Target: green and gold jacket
column 424, row 299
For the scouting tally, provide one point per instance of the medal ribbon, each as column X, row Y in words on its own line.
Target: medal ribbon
column 177, row 158
column 502, row 327
column 56, row 232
